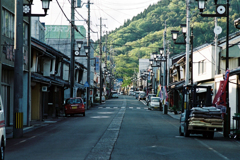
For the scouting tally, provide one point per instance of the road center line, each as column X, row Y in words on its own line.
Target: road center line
column 103, row 148
column 211, row 149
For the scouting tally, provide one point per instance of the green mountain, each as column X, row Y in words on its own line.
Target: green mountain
column 143, row 34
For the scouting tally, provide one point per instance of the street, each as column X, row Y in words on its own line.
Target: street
column 121, row 128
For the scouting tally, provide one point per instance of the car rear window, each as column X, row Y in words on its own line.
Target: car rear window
column 73, row 101
column 155, row 99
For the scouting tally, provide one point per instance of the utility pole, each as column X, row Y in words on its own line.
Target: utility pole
column 88, row 58
column 72, row 50
column 18, row 71
column 187, row 43
column 216, row 51
column 165, row 53
column 106, row 61
column 100, row 47
column 186, row 98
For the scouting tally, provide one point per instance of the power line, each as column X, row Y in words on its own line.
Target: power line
column 75, row 27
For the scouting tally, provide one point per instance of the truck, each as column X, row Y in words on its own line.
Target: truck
column 198, row 115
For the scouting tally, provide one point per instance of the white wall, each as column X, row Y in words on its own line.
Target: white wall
column 46, row 67
column 205, row 53
column 65, row 72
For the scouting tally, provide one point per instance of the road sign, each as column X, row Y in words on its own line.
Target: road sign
column 86, row 84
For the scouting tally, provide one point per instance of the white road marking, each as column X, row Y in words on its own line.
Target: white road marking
column 100, row 107
column 138, row 108
column 211, row 149
column 130, row 107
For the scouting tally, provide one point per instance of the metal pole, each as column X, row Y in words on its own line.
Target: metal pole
column 187, row 52
column 216, row 52
column 18, row 71
column 226, row 130
column 100, row 46
column 164, row 46
column 88, row 58
column 191, row 41
column 72, row 51
column 106, row 65
column 187, row 44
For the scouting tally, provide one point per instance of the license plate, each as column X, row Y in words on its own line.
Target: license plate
column 74, row 107
column 156, row 107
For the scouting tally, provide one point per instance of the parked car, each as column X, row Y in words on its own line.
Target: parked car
column 2, row 131
column 114, row 95
column 142, row 95
column 148, row 97
column 136, row 94
column 154, row 103
column 74, row 106
column 131, row 93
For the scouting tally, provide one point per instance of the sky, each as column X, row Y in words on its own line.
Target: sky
column 113, row 13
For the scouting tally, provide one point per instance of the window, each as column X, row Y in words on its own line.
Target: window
column 8, row 24
column 202, row 65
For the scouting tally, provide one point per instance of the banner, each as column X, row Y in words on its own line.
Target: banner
column 220, row 97
column 158, row 90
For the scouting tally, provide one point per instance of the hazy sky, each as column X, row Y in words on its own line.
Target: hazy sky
column 114, row 13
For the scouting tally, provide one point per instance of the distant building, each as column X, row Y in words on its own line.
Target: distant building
column 58, row 36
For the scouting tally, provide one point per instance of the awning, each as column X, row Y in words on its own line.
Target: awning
column 234, row 51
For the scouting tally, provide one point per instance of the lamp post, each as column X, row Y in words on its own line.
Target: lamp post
column 18, row 66
column 222, row 10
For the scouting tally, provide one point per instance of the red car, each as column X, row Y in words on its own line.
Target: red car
column 74, row 106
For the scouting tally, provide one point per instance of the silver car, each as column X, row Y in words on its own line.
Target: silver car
column 154, row 103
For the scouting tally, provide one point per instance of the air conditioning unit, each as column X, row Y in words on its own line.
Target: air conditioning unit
column 44, row 88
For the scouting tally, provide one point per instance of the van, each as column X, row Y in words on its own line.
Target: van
column 2, row 130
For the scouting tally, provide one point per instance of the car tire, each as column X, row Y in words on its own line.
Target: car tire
column 186, row 132
column 2, row 149
column 210, row 135
column 83, row 114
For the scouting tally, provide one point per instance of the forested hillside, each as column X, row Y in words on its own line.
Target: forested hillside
column 142, row 35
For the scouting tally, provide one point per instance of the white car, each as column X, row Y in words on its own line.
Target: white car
column 114, row 95
column 154, row 103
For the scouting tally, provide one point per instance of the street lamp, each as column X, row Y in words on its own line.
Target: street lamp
column 222, row 10
column 27, row 11
column 237, row 23
column 86, row 49
column 201, row 5
column 175, row 34
column 79, row 45
column 20, row 11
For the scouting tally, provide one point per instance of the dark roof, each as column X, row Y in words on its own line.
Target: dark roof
column 49, row 48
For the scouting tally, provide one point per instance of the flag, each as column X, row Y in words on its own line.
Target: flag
column 158, row 90
column 220, row 97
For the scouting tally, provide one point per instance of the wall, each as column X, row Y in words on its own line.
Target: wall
column 206, row 54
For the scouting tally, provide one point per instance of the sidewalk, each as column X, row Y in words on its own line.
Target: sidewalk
column 175, row 116
column 33, row 125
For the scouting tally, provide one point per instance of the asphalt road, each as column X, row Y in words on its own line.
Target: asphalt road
column 120, row 129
